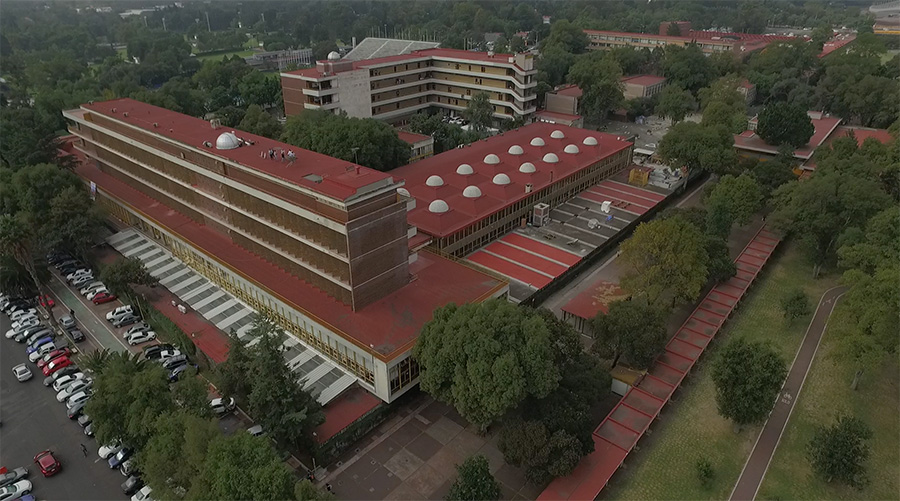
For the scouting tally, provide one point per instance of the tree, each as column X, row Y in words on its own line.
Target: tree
column 242, row 466
column 565, row 36
column 785, row 124
column 474, row 482
column 820, row 35
column 305, row 490
column 687, row 67
column 691, row 145
column 362, row 140
column 720, row 265
column 631, row 328
column 770, row 175
column 553, row 66
column 674, row 103
column 665, row 257
column 485, row 358
column 722, row 104
column 598, row 76
column 260, row 89
column 839, row 452
column 795, row 304
column 543, row 454
column 673, row 30
column 479, row 112
column 233, row 381
column 705, row 472
column 122, row 274
column 447, row 136
column 17, row 240
column 28, row 138
column 73, row 222
column 175, row 454
column 258, row 121
column 732, row 200
column 748, row 377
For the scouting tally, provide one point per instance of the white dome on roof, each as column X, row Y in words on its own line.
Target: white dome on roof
column 551, row 158
column 501, row 179
column 465, row 170
column 537, row 142
column 434, row 181
column 472, row 192
column 334, row 56
column 403, row 191
column 492, row 159
column 438, row 207
column 571, row 149
column 527, row 168
column 557, row 134
column 227, row 141
column 516, row 150
column 590, row 141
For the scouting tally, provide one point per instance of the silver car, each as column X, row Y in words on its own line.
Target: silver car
column 22, row 372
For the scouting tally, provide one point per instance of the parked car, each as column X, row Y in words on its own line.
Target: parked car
column 173, row 362
column 23, row 313
column 74, row 388
column 256, row 430
column 89, row 287
column 22, row 373
column 154, row 351
column 132, row 484
column 127, row 319
column 127, row 468
column 89, row 429
column 221, row 406
column 78, row 398
column 168, row 353
column 104, row 297
column 66, row 381
column 84, row 420
column 67, row 322
column 15, row 490
column 121, row 310
column 80, row 272
column 141, row 337
column 32, row 333
column 82, row 281
column 143, row 494
column 77, row 335
column 136, row 328
column 13, row 476
column 18, row 327
column 175, row 374
column 76, row 411
column 43, row 346
column 56, row 365
column 47, row 302
column 53, row 353
column 108, row 450
column 49, row 464
column 72, row 369
column 91, row 295
column 120, row 457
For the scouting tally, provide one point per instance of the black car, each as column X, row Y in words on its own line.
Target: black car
column 175, row 373
column 151, row 352
column 65, row 371
column 77, row 335
column 132, row 485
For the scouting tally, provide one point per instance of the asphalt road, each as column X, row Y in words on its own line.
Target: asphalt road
column 32, row 421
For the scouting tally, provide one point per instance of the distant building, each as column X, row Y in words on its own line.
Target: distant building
column 684, row 27
column 420, row 145
column 372, row 48
column 710, row 42
column 280, row 59
column 553, row 117
column 748, row 90
column 561, row 106
column 393, row 88
column 636, row 86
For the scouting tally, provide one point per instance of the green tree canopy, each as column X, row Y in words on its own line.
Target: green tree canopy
column 176, row 452
column 375, row 144
column 665, row 257
column 120, row 275
column 565, row 36
column 674, row 103
column 485, row 358
column 785, row 124
column 543, row 454
column 258, row 121
column 748, row 377
column 479, row 111
column 598, row 75
column 474, row 482
column 795, row 304
column 839, row 452
column 691, row 145
column 74, row 221
column 773, row 173
column 242, row 466
column 687, row 67
column 633, row 329
column 732, row 200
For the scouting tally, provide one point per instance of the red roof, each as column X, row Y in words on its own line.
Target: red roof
column 594, row 299
column 861, row 134
column 824, row 126
column 645, row 80
column 570, row 90
column 557, row 115
column 411, row 137
column 341, row 179
column 749, row 40
column 344, row 410
column 465, row 211
column 386, row 328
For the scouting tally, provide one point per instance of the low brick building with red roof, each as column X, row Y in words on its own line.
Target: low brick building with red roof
column 320, row 244
column 420, row 145
column 636, row 86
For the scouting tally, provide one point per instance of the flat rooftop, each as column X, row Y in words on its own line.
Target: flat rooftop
column 595, row 299
column 412, row 138
column 645, row 80
column 494, row 173
column 341, row 180
column 387, row 327
column 824, row 126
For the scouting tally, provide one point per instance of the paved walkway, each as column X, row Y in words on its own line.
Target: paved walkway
column 758, row 463
column 98, row 331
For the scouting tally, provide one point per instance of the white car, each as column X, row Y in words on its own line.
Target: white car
column 141, row 327
column 22, row 373
column 16, row 490
column 121, row 310
column 25, row 323
column 72, row 389
column 64, row 381
column 108, row 450
column 141, row 337
column 167, row 354
column 98, row 290
column 221, row 406
column 143, row 494
column 19, row 314
column 78, row 398
column 89, row 287
column 81, row 272
column 45, row 348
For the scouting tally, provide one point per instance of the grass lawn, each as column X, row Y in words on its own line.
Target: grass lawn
column 691, row 428
column 122, row 53
column 826, row 395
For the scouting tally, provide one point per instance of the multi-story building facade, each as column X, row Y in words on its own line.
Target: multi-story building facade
column 637, row 86
column 393, row 88
column 320, row 244
column 710, row 42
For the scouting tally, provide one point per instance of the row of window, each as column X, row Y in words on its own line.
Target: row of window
column 403, row 374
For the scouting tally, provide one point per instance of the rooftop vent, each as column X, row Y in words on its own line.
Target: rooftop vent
column 403, row 191
column 590, row 141
column 571, row 149
column 227, row 141
column 527, row 168
column 492, row 159
column 465, row 170
column 313, row 177
column 438, row 207
column 472, row 192
column 551, row 158
column 501, row 179
column 557, row 134
column 537, row 142
column 434, row 181
column 516, row 150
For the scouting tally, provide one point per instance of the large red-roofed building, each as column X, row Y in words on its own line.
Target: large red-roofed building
column 320, row 244
column 467, row 197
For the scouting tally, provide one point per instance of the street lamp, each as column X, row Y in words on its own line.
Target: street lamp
column 355, row 149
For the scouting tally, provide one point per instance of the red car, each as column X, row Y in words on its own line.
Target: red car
column 47, row 302
column 104, row 297
column 56, row 364
column 53, row 355
column 49, row 464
